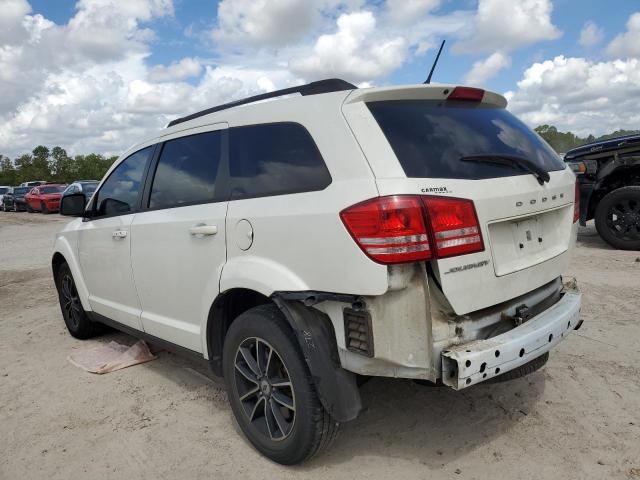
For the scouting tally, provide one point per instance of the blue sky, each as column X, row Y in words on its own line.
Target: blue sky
column 569, row 15
column 96, row 74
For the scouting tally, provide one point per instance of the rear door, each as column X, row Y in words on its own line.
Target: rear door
column 178, row 248
column 456, row 149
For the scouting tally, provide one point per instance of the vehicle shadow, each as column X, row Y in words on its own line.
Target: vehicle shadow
column 588, row 238
column 399, row 419
column 435, row 425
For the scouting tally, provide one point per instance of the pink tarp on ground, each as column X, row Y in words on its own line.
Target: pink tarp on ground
column 110, row 357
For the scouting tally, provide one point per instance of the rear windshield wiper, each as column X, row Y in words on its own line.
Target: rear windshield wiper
column 512, row 161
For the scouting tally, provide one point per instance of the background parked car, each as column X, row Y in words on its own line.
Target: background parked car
column 32, row 183
column 608, row 174
column 82, row 186
column 3, row 189
column 14, row 200
column 6, row 200
column 44, row 198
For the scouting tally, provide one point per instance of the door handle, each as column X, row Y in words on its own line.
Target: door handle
column 203, row 230
column 119, row 234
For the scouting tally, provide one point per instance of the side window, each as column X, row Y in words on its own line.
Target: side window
column 274, row 159
column 119, row 193
column 186, row 172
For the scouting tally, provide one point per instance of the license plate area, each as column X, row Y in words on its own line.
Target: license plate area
column 520, row 243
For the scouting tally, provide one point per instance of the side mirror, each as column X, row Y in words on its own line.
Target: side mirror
column 73, row 205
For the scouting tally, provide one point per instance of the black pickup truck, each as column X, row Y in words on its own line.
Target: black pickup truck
column 609, row 178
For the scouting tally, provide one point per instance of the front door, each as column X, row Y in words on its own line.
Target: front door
column 178, row 243
column 104, row 242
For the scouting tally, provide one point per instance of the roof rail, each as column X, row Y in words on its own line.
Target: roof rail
column 313, row 88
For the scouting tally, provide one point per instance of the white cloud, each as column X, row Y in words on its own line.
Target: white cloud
column 590, row 34
column 13, row 11
column 579, row 95
column 488, row 68
column 627, row 44
column 355, row 51
column 263, row 22
column 507, row 25
column 410, row 11
column 185, row 68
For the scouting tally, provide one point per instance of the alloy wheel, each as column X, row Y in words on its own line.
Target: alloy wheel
column 264, row 388
column 623, row 219
column 70, row 301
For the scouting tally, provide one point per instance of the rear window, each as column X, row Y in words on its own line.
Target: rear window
column 274, row 159
column 21, row 190
column 187, row 171
column 3, row 190
column 51, row 189
column 429, row 138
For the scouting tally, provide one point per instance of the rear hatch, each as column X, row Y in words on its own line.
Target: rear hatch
column 420, row 142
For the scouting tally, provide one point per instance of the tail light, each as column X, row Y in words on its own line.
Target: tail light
column 576, row 204
column 455, row 226
column 407, row 228
column 389, row 229
column 466, row 93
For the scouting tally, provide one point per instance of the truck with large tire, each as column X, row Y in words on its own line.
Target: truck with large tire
column 608, row 174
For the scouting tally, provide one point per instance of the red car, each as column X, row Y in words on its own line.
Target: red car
column 44, row 198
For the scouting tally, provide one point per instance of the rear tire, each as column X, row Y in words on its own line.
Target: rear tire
column 617, row 218
column 274, row 402
column 75, row 318
column 15, row 207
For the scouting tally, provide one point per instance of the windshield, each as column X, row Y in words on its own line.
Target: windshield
column 430, row 138
column 89, row 187
column 51, row 189
column 21, row 190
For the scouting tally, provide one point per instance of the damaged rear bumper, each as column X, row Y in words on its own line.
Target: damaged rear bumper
column 467, row 364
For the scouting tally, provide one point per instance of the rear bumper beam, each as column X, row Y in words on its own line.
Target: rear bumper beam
column 467, row 364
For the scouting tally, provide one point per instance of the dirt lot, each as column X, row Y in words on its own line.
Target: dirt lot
column 577, row 418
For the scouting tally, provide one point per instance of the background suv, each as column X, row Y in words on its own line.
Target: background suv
column 81, row 186
column 609, row 180
column 416, row 232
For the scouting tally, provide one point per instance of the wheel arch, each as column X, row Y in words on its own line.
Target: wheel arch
column 622, row 176
column 63, row 254
column 336, row 387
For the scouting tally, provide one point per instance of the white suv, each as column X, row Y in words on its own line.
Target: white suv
column 416, row 232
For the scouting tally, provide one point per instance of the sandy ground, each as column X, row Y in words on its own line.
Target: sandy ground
column 577, row 418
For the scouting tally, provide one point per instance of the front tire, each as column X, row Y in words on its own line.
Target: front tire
column 270, row 389
column 29, row 209
column 75, row 318
column 43, row 208
column 617, row 218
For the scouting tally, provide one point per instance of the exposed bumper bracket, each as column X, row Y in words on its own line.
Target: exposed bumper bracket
column 474, row 362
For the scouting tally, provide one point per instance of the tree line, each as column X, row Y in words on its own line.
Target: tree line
column 53, row 166
column 56, row 166
column 562, row 142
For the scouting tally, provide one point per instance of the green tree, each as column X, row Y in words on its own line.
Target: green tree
column 41, row 167
column 63, row 167
column 562, row 142
column 8, row 173
column 24, row 167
